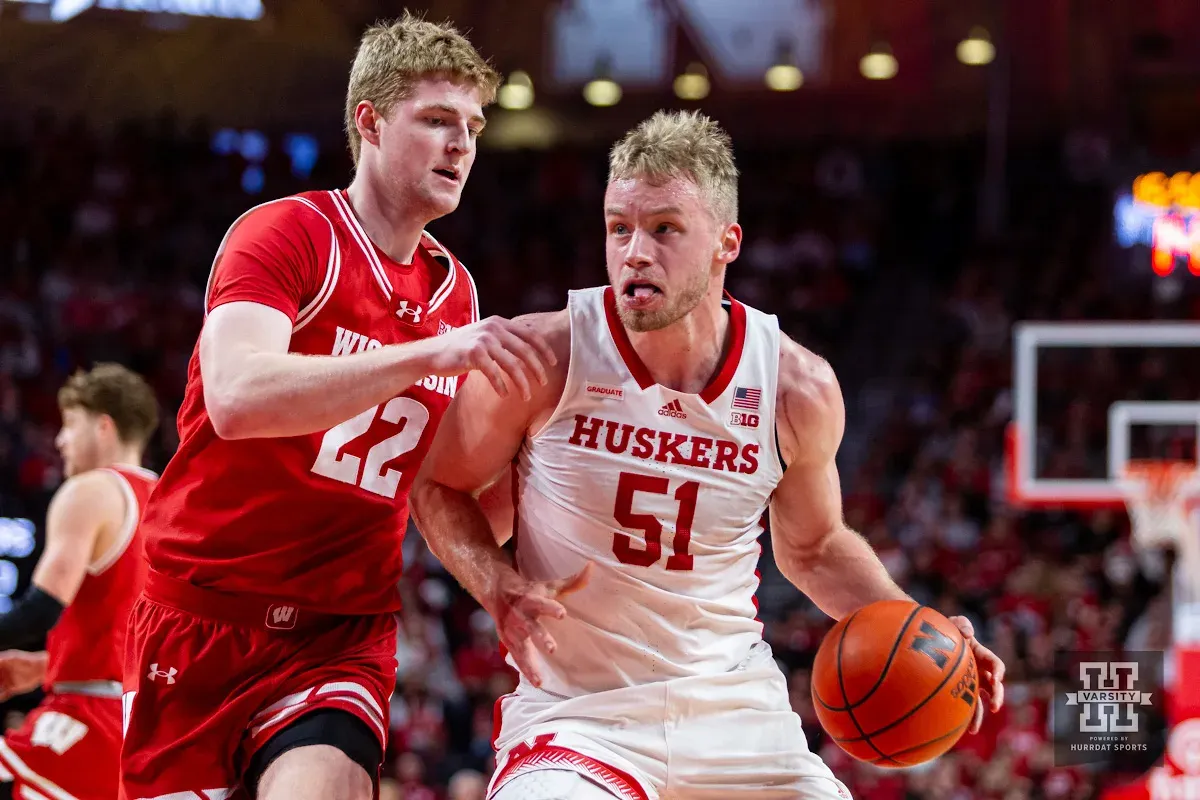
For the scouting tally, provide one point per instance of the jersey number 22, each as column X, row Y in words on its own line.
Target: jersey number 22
column 372, row 475
column 623, row 547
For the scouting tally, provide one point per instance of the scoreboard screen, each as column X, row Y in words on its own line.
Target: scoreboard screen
column 1161, row 212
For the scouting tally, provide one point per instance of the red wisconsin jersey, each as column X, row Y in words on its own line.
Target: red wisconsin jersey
column 88, row 641
column 314, row 520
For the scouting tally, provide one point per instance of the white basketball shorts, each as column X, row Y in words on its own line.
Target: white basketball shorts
column 698, row 738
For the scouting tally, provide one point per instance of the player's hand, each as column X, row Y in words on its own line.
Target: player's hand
column 517, row 606
column 991, row 673
column 20, row 672
column 511, row 354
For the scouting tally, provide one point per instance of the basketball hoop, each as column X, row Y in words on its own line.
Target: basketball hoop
column 1163, row 498
column 1158, row 494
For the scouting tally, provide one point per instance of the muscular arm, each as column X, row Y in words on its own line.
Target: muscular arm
column 253, row 387
column 476, row 442
column 814, row 548
column 86, row 513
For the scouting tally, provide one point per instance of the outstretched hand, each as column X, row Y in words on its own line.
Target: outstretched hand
column 991, row 673
column 517, row 606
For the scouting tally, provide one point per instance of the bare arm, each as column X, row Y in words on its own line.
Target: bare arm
column 476, row 441
column 814, row 548
column 253, row 387
column 86, row 513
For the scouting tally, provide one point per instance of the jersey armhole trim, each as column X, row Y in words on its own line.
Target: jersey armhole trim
column 776, row 448
column 125, row 534
column 333, row 267
column 567, row 383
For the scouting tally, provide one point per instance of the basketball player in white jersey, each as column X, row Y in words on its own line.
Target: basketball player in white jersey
column 674, row 418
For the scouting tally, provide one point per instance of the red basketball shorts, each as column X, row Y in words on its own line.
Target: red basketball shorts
column 211, row 677
column 68, row 749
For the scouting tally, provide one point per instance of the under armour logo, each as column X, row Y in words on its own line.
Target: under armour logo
column 169, row 674
column 410, row 312
column 281, row 617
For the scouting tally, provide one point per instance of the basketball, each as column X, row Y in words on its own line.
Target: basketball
column 895, row 684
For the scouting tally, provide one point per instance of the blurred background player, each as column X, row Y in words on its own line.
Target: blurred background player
column 674, row 418
column 85, row 583
column 263, row 651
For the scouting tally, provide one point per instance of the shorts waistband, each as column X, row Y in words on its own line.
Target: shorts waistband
column 247, row 610
column 110, row 690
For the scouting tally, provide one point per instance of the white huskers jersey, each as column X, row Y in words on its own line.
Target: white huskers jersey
column 664, row 491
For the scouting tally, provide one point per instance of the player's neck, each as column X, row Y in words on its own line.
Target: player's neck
column 124, row 457
column 685, row 356
column 392, row 228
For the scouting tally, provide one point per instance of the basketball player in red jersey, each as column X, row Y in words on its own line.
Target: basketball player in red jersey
column 262, row 653
column 83, row 587
column 674, row 418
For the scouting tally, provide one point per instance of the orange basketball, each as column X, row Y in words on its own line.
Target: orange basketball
column 895, row 684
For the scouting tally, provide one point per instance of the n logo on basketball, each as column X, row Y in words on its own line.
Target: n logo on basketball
column 934, row 644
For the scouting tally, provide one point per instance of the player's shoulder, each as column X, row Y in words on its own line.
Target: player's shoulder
column 810, row 399
column 298, row 214
column 95, row 490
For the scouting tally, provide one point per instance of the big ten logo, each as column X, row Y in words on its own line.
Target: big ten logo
column 18, row 540
column 743, row 419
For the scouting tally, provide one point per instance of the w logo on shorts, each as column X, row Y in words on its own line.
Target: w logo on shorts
column 281, row 618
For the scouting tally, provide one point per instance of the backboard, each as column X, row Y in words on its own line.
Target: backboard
column 1032, row 481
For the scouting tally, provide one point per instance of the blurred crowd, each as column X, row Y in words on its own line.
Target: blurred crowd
column 105, row 245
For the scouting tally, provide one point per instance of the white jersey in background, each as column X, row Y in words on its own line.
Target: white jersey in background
column 664, row 491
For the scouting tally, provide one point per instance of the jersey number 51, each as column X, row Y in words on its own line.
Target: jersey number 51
column 623, row 546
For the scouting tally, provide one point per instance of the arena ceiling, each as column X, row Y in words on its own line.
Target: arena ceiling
column 1113, row 62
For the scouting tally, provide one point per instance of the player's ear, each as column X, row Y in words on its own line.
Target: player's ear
column 367, row 118
column 731, row 243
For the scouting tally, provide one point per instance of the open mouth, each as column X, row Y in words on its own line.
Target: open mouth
column 448, row 174
column 641, row 290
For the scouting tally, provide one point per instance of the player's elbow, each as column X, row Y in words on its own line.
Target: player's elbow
column 229, row 416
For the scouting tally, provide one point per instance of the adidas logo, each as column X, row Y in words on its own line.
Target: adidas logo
column 672, row 409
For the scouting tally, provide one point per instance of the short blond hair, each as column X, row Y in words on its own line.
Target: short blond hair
column 681, row 144
column 393, row 56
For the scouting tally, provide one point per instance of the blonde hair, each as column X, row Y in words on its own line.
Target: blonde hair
column 681, row 144
column 393, row 56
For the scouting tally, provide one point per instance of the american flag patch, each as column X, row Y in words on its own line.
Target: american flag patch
column 747, row 398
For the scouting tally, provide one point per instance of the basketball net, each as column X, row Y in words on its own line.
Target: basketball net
column 1163, row 498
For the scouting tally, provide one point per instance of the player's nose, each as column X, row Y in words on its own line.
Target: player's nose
column 637, row 250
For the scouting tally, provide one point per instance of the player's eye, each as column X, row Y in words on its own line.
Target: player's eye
column 619, row 229
column 437, row 121
column 666, row 227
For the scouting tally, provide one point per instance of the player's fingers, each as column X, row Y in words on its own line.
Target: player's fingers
column 527, row 662
column 565, row 586
column 514, row 369
column 513, row 342
column 537, row 341
column 993, row 688
column 977, row 719
column 495, row 375
column 964, row 626
column 536, row 605
column 542, row 638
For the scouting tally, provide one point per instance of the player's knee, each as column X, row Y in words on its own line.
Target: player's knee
column 552, row 784
column 315, row 772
